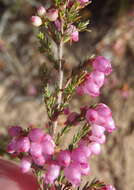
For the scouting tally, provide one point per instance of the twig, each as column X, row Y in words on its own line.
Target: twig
column 61, row 74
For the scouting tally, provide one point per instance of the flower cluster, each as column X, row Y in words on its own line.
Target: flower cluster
column 38, row 148
column 53, row 16
column 43, row 14
column 95, row 80
column 33, row 146
column 100, row 120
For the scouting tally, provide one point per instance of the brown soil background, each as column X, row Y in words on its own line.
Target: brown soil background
column 20, row 64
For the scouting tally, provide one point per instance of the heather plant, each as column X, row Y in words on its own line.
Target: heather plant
column 41, row 150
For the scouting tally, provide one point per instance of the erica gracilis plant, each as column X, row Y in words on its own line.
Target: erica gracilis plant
column 54, row 167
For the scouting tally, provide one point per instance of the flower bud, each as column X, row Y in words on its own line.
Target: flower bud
column 41, row 11
column 78, row 156
column 95, row 148
column 58, row 25
column 36, row 135
column 14, row 131
column 75, row 36
column 98, row 77
column 47, row 147
column 11, row 147
column 110, row 125
column 102, row 64
column 25, row 164
column 89, row 87
column 36, row 21
column 40, row 160
column 73, row 173
column 73, row 33
column 23, row 144
column 64, row 158
column 91, row 115
column 103, row 110
column 52, row 173
column 36, row 149
column 97, row 130
column 52, row 14
column 85, row 149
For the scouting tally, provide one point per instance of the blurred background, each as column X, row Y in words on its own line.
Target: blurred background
column 112, row 25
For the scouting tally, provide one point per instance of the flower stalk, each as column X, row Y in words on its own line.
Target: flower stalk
column 60, row 83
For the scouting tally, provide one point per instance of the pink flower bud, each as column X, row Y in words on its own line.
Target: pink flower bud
column 40, row 160
column 47, row 147
column 64, row 158
column 52, row 14
column 41, row 11
column 36, row 149
column 36, row 135
column 85, row 169
column 11, row 148
column 25, row 164
column 73, row 33
column 89, row 87
column 46, row 137
column 91, row 116
column 95, row 148
column 103, row 110
column 58, row 25
column 66, row 111
column 98, row 77
column 73, row 173
column 85, row 149
column 102, row 64
column 78, row 156
column 52, row 173
column 75, row 36
column 110, row 125
column 92, row 88
column 36, row 21
column 14, row 131
column 97, row 130
column 23, row 144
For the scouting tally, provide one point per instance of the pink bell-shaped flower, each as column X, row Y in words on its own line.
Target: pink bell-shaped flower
column 36, row 135
column 25, row 164
column 23, row 144
column 52, row 173
column 64, row 158
column 73, row 173
column 36, row 149
column 95, row 148
column 102, row 64
column 97, row 130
